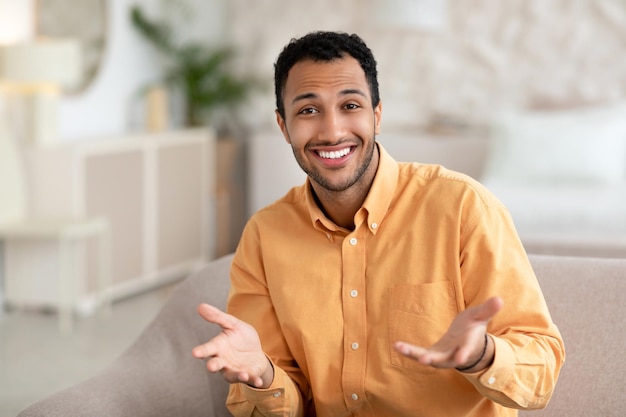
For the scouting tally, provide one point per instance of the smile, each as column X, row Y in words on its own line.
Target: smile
column 334, row 154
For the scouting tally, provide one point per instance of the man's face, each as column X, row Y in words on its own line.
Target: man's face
column 329, row 121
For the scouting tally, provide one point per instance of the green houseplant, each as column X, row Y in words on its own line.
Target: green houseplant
column 199, row 72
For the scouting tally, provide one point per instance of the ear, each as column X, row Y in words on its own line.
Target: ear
column 283, row 127
column 378, row 112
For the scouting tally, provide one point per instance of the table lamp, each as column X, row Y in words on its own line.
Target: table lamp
column 32, row 76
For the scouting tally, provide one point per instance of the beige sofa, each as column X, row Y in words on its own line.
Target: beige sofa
column 157, row 377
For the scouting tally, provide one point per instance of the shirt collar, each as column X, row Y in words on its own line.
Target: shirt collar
column 376, row 203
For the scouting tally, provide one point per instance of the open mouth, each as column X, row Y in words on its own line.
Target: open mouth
column 338, row 154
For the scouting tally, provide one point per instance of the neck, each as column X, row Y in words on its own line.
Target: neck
column 341, row 206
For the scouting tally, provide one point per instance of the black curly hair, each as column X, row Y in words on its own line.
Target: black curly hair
column 324, row 47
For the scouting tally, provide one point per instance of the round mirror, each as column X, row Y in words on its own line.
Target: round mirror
column 84, row 20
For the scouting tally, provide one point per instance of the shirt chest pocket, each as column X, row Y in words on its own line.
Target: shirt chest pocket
column 420, row 315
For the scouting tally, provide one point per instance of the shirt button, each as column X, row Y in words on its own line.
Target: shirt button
column 354, row 346
column 374, row 225
column 354, row 397
column 276, row 394
column 354, row 293
column 353, row 241
column 491, row 380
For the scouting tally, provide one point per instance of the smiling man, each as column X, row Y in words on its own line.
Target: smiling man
column 376, row 288
column 330, row 120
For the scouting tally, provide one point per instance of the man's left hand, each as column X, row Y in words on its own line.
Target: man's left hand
column 464, row 342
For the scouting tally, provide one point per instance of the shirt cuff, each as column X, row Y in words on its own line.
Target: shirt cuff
column 496, row 377
column 269, row 397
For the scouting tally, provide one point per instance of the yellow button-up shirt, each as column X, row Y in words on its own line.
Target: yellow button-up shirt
column 328, row 303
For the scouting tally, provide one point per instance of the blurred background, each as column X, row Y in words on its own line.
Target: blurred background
column 138, row 136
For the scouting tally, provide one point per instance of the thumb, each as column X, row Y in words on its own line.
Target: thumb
column 487, row 310
column 216, row 316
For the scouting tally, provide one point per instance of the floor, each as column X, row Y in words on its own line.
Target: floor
column 36, row 360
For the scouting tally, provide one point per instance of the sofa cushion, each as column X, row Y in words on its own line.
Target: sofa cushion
column 588, row 220
column 584, row 209
column 559, row 147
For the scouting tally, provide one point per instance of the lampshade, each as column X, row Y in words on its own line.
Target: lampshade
column 31, row 73
column 16, row 20
column 55, row 61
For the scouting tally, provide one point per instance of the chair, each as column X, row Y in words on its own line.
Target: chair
column 15, row 225
column 157, row 376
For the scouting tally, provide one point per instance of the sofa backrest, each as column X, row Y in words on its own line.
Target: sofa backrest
column 585, row 297
column 463, row 154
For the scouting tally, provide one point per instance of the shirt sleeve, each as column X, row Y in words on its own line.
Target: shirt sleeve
column 529, row 350
column 282, row 398
column 249, row 301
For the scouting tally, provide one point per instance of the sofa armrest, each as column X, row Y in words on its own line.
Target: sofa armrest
column 585, row 297
column 157, row 376
column 133, row 388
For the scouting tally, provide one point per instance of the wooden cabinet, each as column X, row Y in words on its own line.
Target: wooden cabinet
column 155, row 190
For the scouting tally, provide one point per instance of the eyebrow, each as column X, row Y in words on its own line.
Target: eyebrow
column 345, row 92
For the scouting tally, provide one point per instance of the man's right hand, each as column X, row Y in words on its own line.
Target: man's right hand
column 236, row 352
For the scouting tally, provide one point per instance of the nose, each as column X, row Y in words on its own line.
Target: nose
column 331, row 127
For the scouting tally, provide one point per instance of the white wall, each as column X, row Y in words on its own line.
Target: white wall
column 489, row 53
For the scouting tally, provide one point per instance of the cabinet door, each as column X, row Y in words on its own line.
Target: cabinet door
column 114, row 187
column 181, row 201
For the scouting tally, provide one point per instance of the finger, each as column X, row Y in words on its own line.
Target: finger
column 429, row 357
column 204, row 351
column 215, row 364
column 216, row 316
column 257, row 382
column 414, row 352
column 246, row 378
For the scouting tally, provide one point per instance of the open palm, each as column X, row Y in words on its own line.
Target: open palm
column 236, row 351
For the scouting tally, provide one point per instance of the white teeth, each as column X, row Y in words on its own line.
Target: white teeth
column 334, row 154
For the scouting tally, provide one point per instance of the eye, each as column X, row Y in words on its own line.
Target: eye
column 352, row 106
column 308, row 110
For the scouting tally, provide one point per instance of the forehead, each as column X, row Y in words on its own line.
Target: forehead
column 310, row 76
